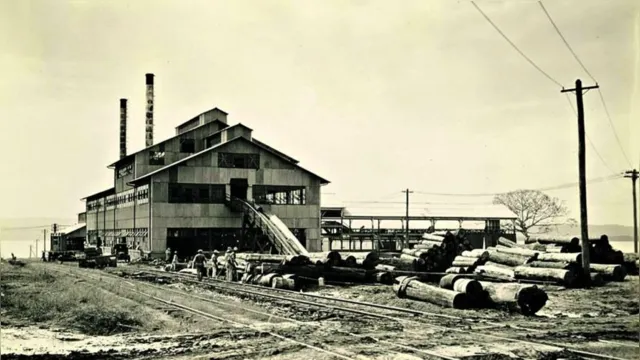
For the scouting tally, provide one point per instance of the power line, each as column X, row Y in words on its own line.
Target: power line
column 593, row 146
column 615, row 133
column 557, row 187
column 515, row 47
column 565, row 41
column 25, row 227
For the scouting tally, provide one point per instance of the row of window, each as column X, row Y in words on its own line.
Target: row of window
column 141, row 194
column 279, row 195
column 196, row 193
column 239, row 161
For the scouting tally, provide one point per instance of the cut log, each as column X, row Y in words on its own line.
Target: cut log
column 456, row 270
column 535, row 246
column 382, row 267
column 471, row 287
column 261, row 257
column 491, row 263
column 561, row 257
column 554, row 249
column 349, row 261
column 267, row 280
column 446, row 282
column 438, row 238
column 560, row 276
column 483, row 255
column 461, row 261
column 431, row 243
column 609, row 272
column 559, row 240
column 496, row 272
column 597, row 279
column 384, row 278
column 517, row 251
column 508, row 259
column 527, row 299
column 554, row 265
column 506, row 242
column 345, row 274
column 414, row 289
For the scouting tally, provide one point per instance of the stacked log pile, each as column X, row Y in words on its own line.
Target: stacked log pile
column 332, row 266
column 554, row 260
column 462, row 291
column 435, row 253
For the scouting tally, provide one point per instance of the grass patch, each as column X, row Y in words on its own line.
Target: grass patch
column 36, row 296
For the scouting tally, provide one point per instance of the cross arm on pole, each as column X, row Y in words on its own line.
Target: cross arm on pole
column 583, row 88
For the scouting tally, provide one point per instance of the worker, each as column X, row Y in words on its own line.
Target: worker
column 198, row 263
column 13, row 257
column 231, row 265
column 174, row 263
column 167, row 254
column 213, row 266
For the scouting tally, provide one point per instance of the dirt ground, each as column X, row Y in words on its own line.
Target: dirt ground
column 47, row 314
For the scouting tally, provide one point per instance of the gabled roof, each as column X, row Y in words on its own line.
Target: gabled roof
column 275, row 150
column 238, row 138
column 198, row 116
column 130, row 156
column 100, row 194
column 73, row 228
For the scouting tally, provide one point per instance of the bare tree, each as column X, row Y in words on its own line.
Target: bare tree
column 533, row 209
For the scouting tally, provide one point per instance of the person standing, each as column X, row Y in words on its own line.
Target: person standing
column 214, row 264
column 174, row 263
column 231, row 265
column 198, row 264
column 167, row 254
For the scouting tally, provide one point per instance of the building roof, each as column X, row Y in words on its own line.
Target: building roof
column 100, row 194
column 435, row 212
column 73, row 228
column 237, row 138
column 130, row 156
column 198, row 116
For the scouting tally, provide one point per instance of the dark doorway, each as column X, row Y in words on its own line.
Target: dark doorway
column 239, row 188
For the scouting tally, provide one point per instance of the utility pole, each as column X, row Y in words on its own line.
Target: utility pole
column 582, row 166
column 44, row 240
column 633, row 175
column 406, row 222
column 36, row 254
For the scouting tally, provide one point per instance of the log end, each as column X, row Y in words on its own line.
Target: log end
column 460, row 301
column 531, row 299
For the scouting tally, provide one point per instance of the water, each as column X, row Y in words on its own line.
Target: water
column 19, row 247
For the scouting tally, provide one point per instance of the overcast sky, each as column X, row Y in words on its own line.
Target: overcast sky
column 375, row 96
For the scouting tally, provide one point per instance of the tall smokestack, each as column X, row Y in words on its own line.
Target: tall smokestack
column 123, row 128
column 149, row 112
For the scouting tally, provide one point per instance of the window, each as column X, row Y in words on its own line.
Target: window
column 196, row 193
column 156, row 158
column 187, row 145
column 279, row 195
column 124, row 170
column 212, row 140
column 240, row 161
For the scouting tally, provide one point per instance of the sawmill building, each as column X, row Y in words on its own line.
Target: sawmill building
column 175, row 193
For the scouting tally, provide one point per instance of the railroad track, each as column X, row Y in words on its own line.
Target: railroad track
column 411, row 349
column 267, row 292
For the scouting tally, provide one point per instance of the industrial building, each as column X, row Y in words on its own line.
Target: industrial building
column 177, row 193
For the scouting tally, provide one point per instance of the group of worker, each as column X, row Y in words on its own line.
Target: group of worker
column 210, row 268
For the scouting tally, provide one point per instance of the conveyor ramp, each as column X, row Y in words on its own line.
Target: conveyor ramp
column 278, row 233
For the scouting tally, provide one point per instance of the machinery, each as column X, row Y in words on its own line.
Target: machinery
column 92, row 257
column 121, row 252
